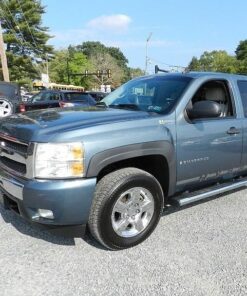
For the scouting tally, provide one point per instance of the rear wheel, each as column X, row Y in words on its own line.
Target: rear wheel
column 6, row 107
column 126, row 209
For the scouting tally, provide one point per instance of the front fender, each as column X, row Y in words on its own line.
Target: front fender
column 164, row 148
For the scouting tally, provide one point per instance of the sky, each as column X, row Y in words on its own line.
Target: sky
column 180, row 29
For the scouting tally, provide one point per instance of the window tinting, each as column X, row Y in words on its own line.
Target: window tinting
column 242, row 85
column 76, row 97
column 8, row 90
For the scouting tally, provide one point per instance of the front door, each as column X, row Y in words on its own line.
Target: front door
column 209, row 149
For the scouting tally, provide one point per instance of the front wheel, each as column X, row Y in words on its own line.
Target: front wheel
column 126, row 209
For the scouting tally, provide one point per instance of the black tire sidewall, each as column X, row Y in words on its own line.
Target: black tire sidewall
column 107, row 232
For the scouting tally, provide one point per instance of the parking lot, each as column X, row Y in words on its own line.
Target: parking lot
column 200, row 250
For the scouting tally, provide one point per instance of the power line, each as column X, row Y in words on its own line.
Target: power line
column 27, row 24
column 10, row 13
column 17, row 26
column 11, row 28
column 166, row 64
column 17, row 35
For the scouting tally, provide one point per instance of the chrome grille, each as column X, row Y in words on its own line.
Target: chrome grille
column 13, row 155
column 20, row 168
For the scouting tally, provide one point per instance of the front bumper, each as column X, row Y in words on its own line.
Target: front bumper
column 69, row 200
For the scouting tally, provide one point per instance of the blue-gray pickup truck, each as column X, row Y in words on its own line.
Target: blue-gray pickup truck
column 157, row 140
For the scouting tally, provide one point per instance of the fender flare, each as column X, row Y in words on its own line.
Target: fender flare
column 164, row 148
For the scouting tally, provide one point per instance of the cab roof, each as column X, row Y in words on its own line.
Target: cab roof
column 201, row 74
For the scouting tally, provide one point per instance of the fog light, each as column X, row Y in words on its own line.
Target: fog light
column 47, row 214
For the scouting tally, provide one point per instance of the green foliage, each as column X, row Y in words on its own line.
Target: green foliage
column 117, row 54
column 68, row 61
column 216, row 61
column 119, row 63
column 241, row 50
column 194, row 64
column 92, row 56
column 90, row 48
column 241, row 55
column 25, row 37
column 136, row 72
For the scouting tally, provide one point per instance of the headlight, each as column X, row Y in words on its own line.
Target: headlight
column 60, row 160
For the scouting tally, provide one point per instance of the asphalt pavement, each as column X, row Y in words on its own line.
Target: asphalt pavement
column 199, row 250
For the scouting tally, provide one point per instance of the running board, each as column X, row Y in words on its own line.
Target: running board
column 192, row 197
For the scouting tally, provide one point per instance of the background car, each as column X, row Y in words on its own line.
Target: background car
column 26, row 97
column 55, row 98
column 97, row 95
column 11, row 100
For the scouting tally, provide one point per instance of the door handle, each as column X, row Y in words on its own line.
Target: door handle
column 233, row 131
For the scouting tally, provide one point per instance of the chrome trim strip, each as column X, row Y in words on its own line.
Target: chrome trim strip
column 221, row 189
column 14, row 156
column 12, row 139
column 12, row 187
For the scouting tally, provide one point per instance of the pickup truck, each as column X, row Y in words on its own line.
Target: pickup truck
column 157, row 140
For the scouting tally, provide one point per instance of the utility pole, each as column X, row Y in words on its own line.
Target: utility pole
column 68, row 74
column 47, row 69
column 146, row 59
column 3, row 57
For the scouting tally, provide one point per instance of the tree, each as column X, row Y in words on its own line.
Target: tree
column 117, row 54
column 241, row 55
column 102, row 61
column 90, row 48
column 136, row 72
column 25, row 37
column 194, row 64
column 69, row 61
column 94, row 48
column 217, row 61
column 241, row 50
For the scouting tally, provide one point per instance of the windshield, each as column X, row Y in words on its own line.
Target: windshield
column 153, row 94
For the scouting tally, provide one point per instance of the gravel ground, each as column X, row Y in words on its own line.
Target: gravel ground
column 200, row 250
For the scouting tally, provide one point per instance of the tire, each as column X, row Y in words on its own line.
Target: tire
column 6, row 107
column 121, row 190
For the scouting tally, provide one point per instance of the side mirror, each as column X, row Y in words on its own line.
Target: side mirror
column 204, row 109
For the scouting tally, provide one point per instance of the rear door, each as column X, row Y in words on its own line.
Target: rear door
column 43, row 100
column 241, row 86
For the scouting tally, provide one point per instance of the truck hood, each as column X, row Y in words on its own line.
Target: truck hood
column 38, row 125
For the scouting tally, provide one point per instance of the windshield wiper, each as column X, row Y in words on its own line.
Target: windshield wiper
column 101, row 104
column 125, row 106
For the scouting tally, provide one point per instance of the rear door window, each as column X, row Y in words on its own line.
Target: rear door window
column 73, row 97
column 54, row 97
column 242, row 86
